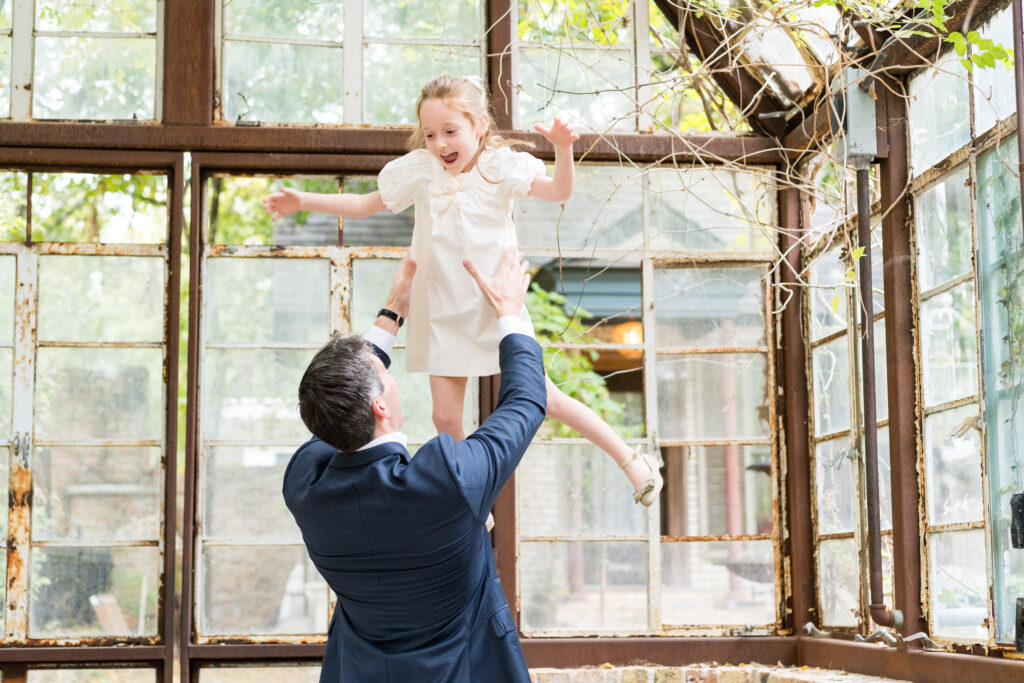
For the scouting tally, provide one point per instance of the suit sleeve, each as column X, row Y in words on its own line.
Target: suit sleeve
column 487, row 458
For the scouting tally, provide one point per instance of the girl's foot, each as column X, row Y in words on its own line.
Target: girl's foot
column 646, row 492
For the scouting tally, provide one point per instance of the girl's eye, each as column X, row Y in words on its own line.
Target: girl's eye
column 452, row 132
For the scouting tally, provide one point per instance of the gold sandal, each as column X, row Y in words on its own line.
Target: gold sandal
column 648, row 493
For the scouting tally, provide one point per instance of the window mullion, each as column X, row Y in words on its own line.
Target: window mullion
column 22, row 46
column 352, row 63
column 19, row 529
column 651, row 419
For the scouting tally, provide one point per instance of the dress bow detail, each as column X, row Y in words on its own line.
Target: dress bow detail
column 448, row 193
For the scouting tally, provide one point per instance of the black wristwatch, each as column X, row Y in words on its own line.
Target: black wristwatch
column 391, row 314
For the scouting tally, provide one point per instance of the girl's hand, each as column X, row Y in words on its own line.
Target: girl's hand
column 559, row 134
column 283, row 203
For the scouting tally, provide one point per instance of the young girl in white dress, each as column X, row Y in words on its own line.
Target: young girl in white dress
column 463, row 178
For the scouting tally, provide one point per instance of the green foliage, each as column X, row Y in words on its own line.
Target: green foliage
column 601, row 22
column 984, row 52
column 85, row 207
column 571, row 370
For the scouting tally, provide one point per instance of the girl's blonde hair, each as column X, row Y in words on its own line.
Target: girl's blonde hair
column 467, row 97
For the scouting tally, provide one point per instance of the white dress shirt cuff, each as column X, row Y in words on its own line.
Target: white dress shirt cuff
column 383, row 340
column 513, row 324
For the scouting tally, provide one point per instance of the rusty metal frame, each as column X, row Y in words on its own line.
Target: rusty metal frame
column 157, row 651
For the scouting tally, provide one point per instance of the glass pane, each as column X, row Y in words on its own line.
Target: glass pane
column 76, row 592
column 99, row 394
column 723, row 582
column 709, row 307
column 835, row 485
column 944, row 231
column 884, row 480
column 575, row 489
column 702, row 209
column 127, row 16
column 267, row 300
column 259, row 674
column 1001, row 266
column 949, row 348
column 371, row 278
column 605, row 211
column 399, row 72
column 838, row 582
column 301, row 19
column 831, row 364
column 716, row 490
column 417, row 406
column 586, row 301
column 712, row 396
column 86, row 298
column 235, row 214
column 827, row 294
column 281, row 83
column 601, row 24
column 242, row 495
column 13, row 190
column 877, row 271
column 5, row 75
column 255, row 590
column 881, row 378
column 583, row 586
column 5, row 454
column 952, row 467
column 86, row 207
column 939, row 113
column 588, row 89
column 956, row 576
column 68, row 675
column 683, row 96
column 96, row 494
column 94, row 78
column 380, row 229
column 3, row 560
column 6, row 389
column 447, row 21
column 994, row 87
column 251, row 394
column 827, row 196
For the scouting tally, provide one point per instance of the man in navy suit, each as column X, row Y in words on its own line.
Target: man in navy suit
column 401, row 540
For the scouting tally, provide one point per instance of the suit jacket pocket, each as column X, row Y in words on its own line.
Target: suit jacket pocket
column 502, row 622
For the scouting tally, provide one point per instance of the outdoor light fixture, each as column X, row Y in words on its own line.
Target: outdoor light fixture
column 630, row 332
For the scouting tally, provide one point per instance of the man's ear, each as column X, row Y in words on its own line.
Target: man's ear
column 380, row 410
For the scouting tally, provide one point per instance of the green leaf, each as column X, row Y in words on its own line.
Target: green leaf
column 857, row 253
column 835, row 303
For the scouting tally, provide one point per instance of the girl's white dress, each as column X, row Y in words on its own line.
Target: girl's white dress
column 452, row 331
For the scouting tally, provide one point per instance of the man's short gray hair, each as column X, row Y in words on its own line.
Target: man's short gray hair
column 336, row 392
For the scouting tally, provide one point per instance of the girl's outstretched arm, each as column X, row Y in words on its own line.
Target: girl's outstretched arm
column 557, row 188
column 288, row 201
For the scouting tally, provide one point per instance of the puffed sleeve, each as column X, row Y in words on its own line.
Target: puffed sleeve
column 518, row 169
column 399, row 180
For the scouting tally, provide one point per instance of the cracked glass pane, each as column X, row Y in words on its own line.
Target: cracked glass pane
column 943, row 223
column 831, row 367
column 956, row 584
column 938, row 113
column 952, row 466
column 835, row 485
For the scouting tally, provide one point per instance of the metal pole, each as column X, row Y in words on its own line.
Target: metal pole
column 882, row 615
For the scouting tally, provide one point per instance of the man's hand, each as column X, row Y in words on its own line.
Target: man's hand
column 283, row 203
column 401, row 284
column 506, row 291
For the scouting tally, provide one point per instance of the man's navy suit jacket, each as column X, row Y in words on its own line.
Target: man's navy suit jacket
column 402, row 542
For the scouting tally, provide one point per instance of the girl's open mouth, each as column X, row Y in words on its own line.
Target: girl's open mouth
column 450, row 158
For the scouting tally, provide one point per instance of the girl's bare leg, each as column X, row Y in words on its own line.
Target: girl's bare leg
column 448, row 395
column 575, row 415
